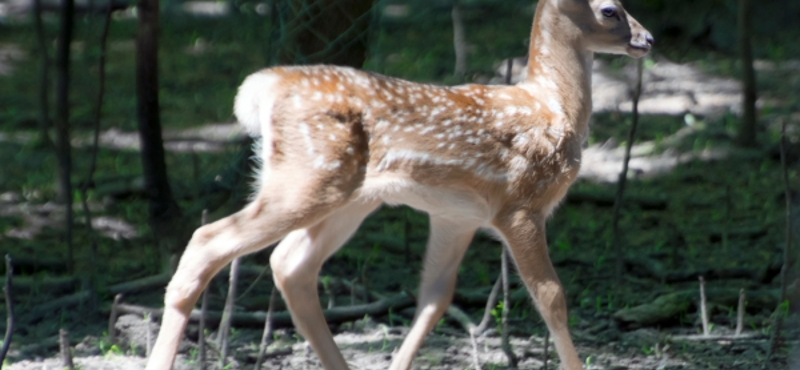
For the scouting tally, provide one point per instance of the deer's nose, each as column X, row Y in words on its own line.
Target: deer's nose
column 649, row 38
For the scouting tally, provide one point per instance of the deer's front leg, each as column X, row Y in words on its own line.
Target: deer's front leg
column 447, row 243
column 296, row 263
column 525, row 234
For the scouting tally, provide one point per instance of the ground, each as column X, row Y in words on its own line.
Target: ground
column 695, row 204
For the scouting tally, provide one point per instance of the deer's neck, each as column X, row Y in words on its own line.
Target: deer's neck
column 559, row 68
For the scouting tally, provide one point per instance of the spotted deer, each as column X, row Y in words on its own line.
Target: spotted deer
column 338, row 142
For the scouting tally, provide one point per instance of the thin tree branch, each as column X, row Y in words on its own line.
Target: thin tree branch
column 44, row 83
column 779, row 311
column 491, row 302
column 9, row 308
column 201, row 327
column 112, row 318
column 623, row 176
column 227, row 314
column 505, row 344
column 703, row 309
column 266, row 336
column 740, row 313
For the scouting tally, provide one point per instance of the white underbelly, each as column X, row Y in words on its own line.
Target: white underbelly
column 436, row 201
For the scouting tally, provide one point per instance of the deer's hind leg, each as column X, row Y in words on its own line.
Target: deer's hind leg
column 294, row 194
column 296, row 263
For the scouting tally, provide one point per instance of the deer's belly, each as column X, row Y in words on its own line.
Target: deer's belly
column 458, row 202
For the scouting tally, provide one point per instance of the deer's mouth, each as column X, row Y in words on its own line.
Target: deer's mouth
column 638, row 50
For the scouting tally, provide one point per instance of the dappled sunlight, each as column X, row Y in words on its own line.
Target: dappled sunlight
column 209, row 138
column 35, row 218
column 604, row 164
column 9, row 55
column 668, row 88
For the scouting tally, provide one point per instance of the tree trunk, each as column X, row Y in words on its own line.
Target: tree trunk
column 44, row 83
column 747, row 131
column 163, row 208
column 63, row 149
column 459, row 40
column 325, row 31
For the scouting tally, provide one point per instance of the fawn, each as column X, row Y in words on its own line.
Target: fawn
column 338, row 142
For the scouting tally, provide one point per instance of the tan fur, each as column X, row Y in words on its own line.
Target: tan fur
column 338, row 142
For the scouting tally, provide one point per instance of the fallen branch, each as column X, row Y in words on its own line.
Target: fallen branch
column 285, row 351
column 603, row 199
column 740, row 337
column 654, row 269
column 141, row 285
column 38, row 264
column 144, row 284
column 669, row 307
column 52, row 285
column 283, row 319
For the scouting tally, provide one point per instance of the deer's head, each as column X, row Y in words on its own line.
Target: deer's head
column 606, row 27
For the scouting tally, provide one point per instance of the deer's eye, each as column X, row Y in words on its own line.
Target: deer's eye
column 609, row 12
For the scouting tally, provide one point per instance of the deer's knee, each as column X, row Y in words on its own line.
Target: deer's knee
column 292, row 262
column 182, row 292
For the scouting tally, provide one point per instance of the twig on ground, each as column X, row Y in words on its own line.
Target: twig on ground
column 546, row 349
column 491, row 302
column 353, row 292
column 326, row 287
column 227, row 314
column 285, row 351
column 476, row 360
column 201, row 331
column 66, row 353
column 255, row 282
column 740, row 313
column 703, row 308
column 8, row 291
column 623, row 175
column 201, row 327
column 148, row 335
column 267, row 335
column 505, row 344
column 282, row 319
column 112, row 319
column 775, row 340
column 459, row 315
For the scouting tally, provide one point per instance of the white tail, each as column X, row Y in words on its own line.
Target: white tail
column 338, row 142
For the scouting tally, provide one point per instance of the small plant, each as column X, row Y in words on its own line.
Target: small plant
column 497, row 313
column 110, row 350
